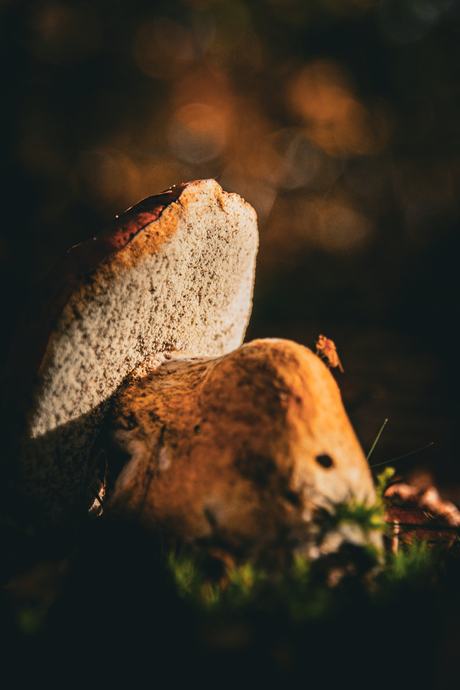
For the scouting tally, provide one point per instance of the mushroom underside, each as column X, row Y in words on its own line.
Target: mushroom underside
column 176, row 272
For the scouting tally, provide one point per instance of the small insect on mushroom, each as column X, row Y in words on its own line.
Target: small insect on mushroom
column 326, row 348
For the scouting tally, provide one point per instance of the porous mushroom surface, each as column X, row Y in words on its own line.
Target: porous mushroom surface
column 174, row 273
column 242, row 451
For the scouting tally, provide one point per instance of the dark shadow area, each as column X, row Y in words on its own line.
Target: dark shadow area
column 115, row 618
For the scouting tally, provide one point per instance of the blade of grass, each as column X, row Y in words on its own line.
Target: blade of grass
column 387, row 462
column 376, row 440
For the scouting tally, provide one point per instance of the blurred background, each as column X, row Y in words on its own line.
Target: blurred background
column 338, row 120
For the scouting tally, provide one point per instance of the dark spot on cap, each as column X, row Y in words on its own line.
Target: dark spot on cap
column 130, row 421
column 325, row 461
column 256, row 467
column 293, row 498
column 210, row 518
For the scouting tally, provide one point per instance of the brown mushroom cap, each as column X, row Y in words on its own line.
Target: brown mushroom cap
column 173, row 273
column 239, row 451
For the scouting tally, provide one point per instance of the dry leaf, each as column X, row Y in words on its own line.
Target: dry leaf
column 326, row 348
column 422, row 515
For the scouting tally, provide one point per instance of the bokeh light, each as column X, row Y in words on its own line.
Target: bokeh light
column 197, row 133
column 338, row 120
column 342, row 228
column 59, row 33
column 406, row 21
column 162, row 45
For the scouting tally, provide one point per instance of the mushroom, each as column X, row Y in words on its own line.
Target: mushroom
column 239, row 451
column 127, row 392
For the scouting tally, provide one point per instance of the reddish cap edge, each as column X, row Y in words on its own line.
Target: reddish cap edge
column 36, row 325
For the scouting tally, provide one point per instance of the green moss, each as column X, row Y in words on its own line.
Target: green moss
column 303, row 591
column 382, row 481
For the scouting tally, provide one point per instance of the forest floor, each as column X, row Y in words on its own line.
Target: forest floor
column 105, row 609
